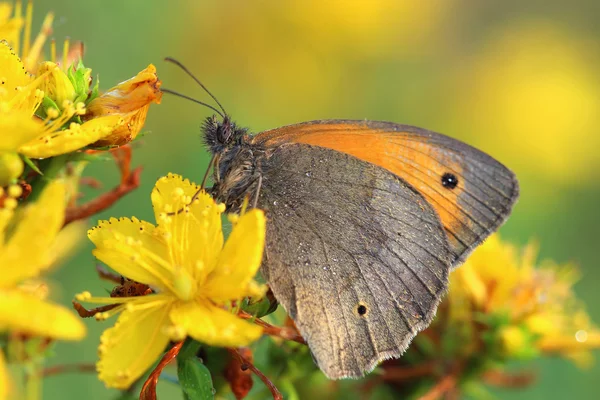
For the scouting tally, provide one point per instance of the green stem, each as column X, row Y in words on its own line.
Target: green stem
column 51, row 171
column 33, row 386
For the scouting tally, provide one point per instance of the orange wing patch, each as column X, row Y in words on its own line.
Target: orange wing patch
column 405, row 154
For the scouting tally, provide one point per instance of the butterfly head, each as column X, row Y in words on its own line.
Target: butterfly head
column 221, row 134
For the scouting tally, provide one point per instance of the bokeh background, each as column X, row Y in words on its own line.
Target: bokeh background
column 519, row 80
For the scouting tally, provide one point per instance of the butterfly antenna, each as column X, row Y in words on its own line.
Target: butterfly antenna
column 187, row 71
column 183, row 96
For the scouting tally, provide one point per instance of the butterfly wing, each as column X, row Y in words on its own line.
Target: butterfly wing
column 356, row 256
column 480, row 202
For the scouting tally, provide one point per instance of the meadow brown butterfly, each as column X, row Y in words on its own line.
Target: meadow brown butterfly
column 365, row 222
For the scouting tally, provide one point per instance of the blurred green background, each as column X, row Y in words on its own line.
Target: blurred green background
column 516, row 79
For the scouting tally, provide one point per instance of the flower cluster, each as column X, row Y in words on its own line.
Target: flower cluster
column 501, row 307
column 28, row 246
column 51, row 115
column 194, row 279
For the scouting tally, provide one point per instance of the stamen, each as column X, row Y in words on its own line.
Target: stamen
column 103, row 316
column 83, row 296
column 28, row 21
column 167, row 268
column 15, row 191
column 53, row 51
column 65, row 54
column 25, row 91
column 34, row 53
column 80, row 108
column 233, row 218
column 52, row 113
column 176, row 332
column 10, row 203
column 18, row 14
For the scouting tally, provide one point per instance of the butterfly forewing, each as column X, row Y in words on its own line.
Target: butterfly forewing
column 471, row 192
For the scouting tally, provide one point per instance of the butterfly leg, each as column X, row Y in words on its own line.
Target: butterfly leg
column 105, row 274
column 203, row 185
column 257, row 193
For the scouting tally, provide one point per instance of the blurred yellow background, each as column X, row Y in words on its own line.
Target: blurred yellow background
column 516, row 79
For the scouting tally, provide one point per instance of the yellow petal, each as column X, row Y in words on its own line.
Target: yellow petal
column 27, row 250
column 195, row 237
column 74, row 138
column 10, row 28
column 5, row 216
column 27, row 313
column 170, row 193
column 11, row 167
column 134, row 249
column 130, row 100
column 128, row 131
column 68, row 241
column 239, row 260
column 128, row 96
column 4, row 378
column 14, row 75
column 18, row 89
column 22, row 129
column 129, row 348
column 214, row 326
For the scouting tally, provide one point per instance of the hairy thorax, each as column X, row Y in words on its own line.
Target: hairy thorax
column 236, row 175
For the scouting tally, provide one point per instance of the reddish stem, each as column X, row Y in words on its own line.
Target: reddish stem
column 398, row 373
column 61, row 369
column 90, row 182
column 509, row 380
column 286, row 332
column 446, row 386
column 245, row 363
column 105, row 200
column 149, row 389
column 130, row 180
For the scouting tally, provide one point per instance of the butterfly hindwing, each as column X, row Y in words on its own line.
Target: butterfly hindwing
column 357, row 257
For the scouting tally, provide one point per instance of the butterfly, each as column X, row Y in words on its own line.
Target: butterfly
column 365, row 221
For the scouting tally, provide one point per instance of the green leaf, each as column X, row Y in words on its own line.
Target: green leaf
column 90, row 157
column 260, row 308
column 47, row 103
column 195, row 380
column 95, row 91
column 80, row 77
column 31, row 164
column 189, row 349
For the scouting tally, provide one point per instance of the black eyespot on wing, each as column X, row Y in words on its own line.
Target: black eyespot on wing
column 361, row 309
column 449, row 181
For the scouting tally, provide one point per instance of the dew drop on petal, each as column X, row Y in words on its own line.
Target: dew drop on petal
column 581, row 336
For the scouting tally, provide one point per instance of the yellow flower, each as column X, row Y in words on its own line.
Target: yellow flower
column 194, row 277
column 130, row 100
column 537, row 302
column 23, row 133
column 26, row 249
